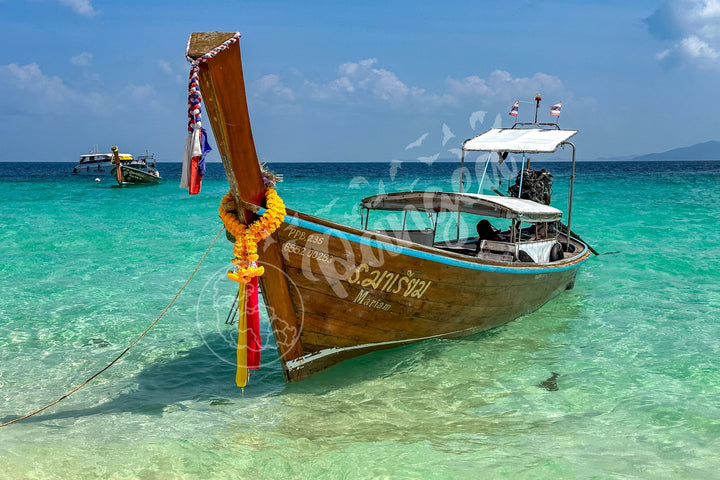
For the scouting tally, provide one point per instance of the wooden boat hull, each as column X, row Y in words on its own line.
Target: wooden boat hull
column 353, row 292
column 334, row 292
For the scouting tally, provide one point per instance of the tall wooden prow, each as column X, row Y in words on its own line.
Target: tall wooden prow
column 223, row 90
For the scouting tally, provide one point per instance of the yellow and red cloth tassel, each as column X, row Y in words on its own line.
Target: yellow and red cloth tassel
column 249, row 340
column 246, row 273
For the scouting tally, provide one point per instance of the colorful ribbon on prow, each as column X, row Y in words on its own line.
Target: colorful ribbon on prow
column 196, row 144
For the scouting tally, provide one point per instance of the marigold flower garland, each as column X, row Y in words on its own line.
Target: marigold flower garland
column 245, row 255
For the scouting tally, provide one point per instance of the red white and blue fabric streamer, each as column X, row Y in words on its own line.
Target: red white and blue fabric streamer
column 196, row 144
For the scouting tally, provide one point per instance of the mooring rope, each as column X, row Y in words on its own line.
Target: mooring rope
column 128, row 347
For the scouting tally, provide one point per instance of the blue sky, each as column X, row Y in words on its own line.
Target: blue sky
column 362, row 81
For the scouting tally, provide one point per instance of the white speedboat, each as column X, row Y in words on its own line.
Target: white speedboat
column 134, row 170
column 98, row 164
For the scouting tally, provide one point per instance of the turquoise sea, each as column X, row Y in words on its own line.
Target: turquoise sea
column 86, row 267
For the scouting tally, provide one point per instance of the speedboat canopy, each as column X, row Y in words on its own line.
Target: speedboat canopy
column 521, row 140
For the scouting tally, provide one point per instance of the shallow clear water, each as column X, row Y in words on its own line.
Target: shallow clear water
column 86, row 267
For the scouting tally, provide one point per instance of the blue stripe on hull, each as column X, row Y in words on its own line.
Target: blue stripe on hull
column 423, row 255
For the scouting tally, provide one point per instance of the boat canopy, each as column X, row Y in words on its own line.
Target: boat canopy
column 474, row 203
column 520, row 140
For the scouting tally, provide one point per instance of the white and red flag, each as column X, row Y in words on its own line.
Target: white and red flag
column 514, row 109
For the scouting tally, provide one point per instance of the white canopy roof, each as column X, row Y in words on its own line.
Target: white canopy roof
column 486, row 205
column 518, row 140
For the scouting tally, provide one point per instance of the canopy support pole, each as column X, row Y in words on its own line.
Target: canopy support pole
column 462, row 170
column 462, row 180
column 522, row 172
column 570, row 196
column 487, row 162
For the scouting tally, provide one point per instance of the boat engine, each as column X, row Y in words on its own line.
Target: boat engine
column 536, row 185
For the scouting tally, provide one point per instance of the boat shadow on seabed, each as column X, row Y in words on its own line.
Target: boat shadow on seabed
column 195, row 375
column 200, row 374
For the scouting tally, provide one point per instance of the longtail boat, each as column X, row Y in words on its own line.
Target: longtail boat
column 334, row 292
column 135, row 171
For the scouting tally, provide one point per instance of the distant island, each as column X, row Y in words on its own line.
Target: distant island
column 700, row 151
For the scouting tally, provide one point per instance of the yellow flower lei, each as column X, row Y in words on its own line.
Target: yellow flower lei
column 245, row 255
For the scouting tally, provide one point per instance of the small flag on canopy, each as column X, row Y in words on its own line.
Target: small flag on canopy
column 555, row 109
column 514, row 109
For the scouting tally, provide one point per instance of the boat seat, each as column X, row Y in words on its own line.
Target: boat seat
column 496, row 246
column 498, row 257
column 496, row 250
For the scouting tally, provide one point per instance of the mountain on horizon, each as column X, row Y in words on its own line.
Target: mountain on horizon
column 700, row 151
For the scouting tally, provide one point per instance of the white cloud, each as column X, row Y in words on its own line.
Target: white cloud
column 691, row 27
column 82, row 60
column 164, row 65
column 472, row 85
column 694, row 47
column 144, row 96
column 502, row 84
column 663, row 55
column 168, row 69
column 30, row 78
column 363, row 83
column 709, row 8
column 273, row 85
column 46, row 93
column 141, row 93
column 82, row 7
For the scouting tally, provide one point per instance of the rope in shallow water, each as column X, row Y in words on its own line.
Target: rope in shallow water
column 99, row 372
